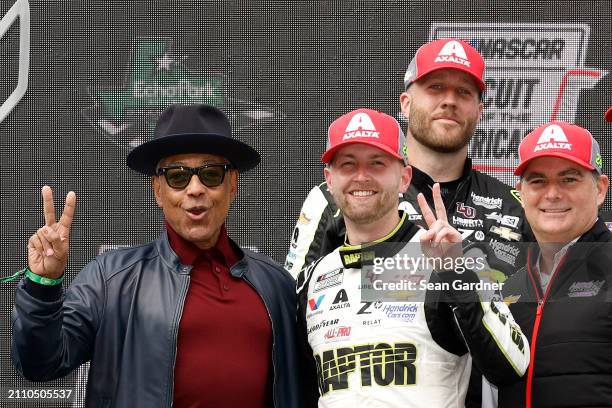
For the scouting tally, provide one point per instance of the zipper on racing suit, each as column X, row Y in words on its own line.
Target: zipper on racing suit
column 536, row 324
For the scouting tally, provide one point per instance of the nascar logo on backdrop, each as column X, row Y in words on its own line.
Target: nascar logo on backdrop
column 155, row 78
column 20, row 10
column 534, row 74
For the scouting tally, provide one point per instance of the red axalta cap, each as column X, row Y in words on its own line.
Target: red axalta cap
column 560, row 139
column 369, row 127
column 609, row 114
column 446, row 53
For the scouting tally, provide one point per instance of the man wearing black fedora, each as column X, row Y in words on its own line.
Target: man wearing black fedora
column 189, row 320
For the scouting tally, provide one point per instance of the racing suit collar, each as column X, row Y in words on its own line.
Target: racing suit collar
column 355, row 256
column 424, row 183
column 421, row 179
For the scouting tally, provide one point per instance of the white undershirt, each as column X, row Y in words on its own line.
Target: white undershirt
column 545, row 277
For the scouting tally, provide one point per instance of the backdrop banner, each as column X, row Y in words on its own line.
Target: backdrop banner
column 83, row 83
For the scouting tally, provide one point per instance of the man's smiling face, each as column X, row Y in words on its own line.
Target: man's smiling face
column 560, row 198
column 365, row 182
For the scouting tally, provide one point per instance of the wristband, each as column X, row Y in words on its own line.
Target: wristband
column 41, row 279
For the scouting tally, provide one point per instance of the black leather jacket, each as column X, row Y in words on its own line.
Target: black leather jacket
column 122, row 313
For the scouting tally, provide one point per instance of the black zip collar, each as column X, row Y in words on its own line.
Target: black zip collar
column 598, row 233
column 423, row 183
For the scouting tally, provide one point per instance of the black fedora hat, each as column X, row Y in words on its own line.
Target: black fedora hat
column 192, row 129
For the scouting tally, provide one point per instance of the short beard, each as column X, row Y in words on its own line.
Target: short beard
column 420, row 128
column 361, row 216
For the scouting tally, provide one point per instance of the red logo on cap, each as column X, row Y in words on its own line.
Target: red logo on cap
column 453, row 52
column 361, row 125
column 553, row 137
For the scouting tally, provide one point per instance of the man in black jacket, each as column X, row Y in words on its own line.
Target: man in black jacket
column 190, row 319
column 561, row 298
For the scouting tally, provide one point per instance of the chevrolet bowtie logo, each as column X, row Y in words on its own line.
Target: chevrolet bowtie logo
column 506, row 233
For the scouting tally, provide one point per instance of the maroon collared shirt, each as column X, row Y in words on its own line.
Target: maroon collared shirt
column 224, row 347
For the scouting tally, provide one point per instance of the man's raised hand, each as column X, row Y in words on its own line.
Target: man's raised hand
column 441, row 239
column 48, row 247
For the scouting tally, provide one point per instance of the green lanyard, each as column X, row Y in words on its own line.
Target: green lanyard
column 13, row 277
column 33, row 277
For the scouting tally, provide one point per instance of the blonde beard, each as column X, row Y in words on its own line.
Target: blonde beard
column 420, row 129
column 361, row 216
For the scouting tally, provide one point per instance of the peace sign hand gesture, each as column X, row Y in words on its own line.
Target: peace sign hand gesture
column 48, row 246
column 441, row 239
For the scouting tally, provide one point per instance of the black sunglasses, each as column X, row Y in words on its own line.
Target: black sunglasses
column 211, row 175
